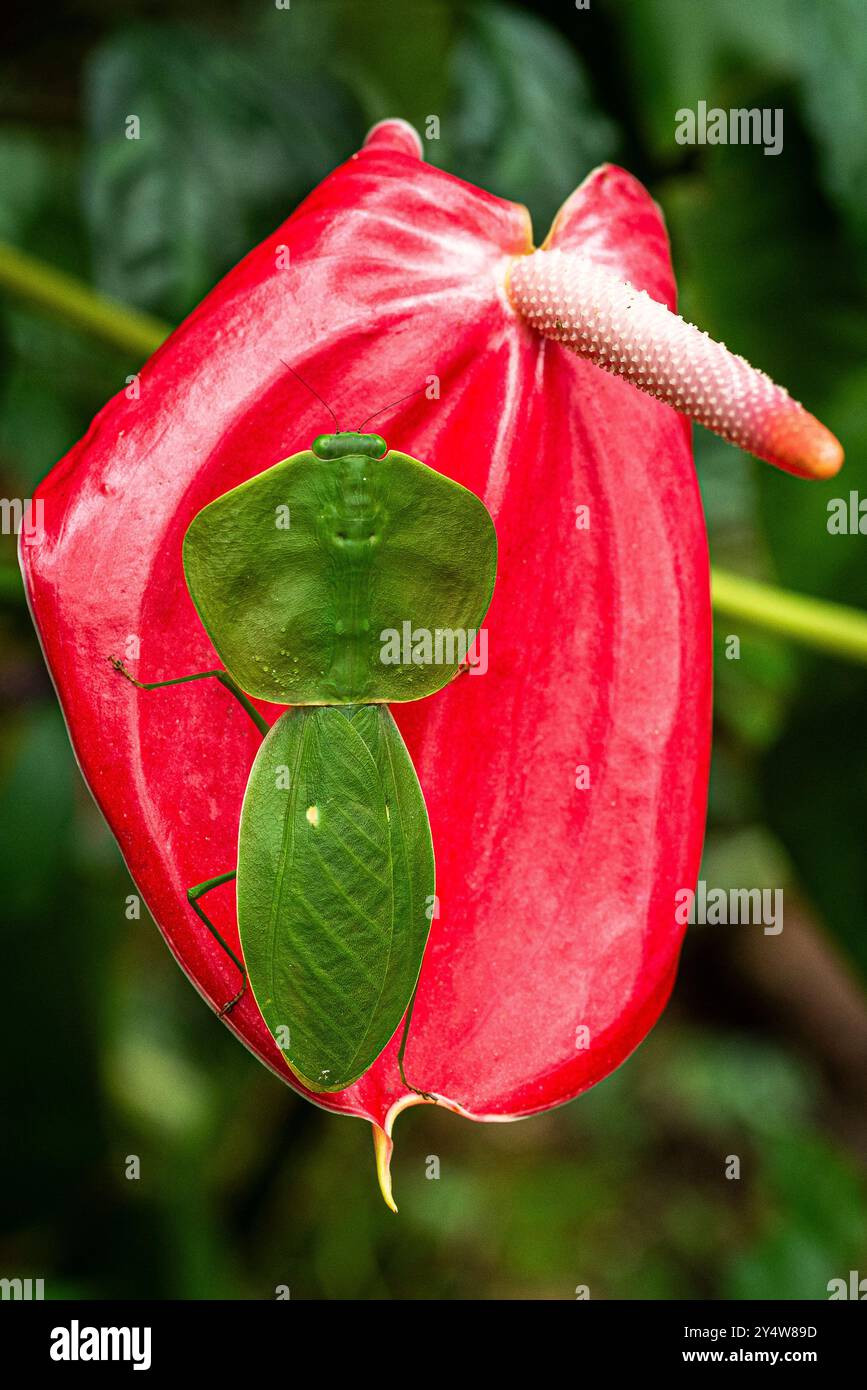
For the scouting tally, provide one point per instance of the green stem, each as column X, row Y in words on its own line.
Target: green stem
column 826, row 627
column 65, row 297
column 813, row 622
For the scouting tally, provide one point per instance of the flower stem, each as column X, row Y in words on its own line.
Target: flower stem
column 813, row 622
column 827, row 627
column 67, row 298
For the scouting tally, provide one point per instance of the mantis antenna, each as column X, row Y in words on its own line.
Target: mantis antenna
column 313, row 392
column 399, row 401
column 381, row 411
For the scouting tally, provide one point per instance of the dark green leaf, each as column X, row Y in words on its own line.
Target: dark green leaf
column 833, row 47
column 522, row 121
column 228, row 143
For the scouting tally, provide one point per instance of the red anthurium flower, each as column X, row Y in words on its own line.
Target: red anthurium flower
column 566, row 787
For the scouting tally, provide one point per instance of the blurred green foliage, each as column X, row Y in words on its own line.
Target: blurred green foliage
column 243, row 1187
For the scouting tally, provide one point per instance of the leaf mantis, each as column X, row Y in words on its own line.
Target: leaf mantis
column 297, row 576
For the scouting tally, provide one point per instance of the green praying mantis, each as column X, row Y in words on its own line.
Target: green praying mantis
column 297, row 576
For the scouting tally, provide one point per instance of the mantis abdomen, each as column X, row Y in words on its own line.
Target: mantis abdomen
column 335, row 886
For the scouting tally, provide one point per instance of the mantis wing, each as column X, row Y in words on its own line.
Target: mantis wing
column 413, row 874
column 334, row 866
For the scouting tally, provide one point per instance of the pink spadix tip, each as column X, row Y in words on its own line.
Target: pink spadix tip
column 597, row 315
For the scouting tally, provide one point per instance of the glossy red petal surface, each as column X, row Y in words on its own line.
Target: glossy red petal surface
column 556, row 904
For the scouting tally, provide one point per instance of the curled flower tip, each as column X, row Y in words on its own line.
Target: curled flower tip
column 597, row 315
column 383, row 1147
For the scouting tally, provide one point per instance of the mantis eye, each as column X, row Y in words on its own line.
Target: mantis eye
column 336, row 446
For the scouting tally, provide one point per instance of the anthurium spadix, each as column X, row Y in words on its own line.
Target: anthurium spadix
column 565, row 776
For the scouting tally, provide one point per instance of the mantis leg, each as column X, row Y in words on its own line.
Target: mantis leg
column 464, row 668
column 402, row 1049
column 194, row 894
column 222, row 676
column 200, row 889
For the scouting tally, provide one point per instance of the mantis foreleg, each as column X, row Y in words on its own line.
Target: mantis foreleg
column 200, row 889
column 194, row 894
column 222, row 676
column 402, row 1049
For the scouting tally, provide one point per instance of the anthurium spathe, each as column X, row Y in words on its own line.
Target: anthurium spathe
column 566, row 786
